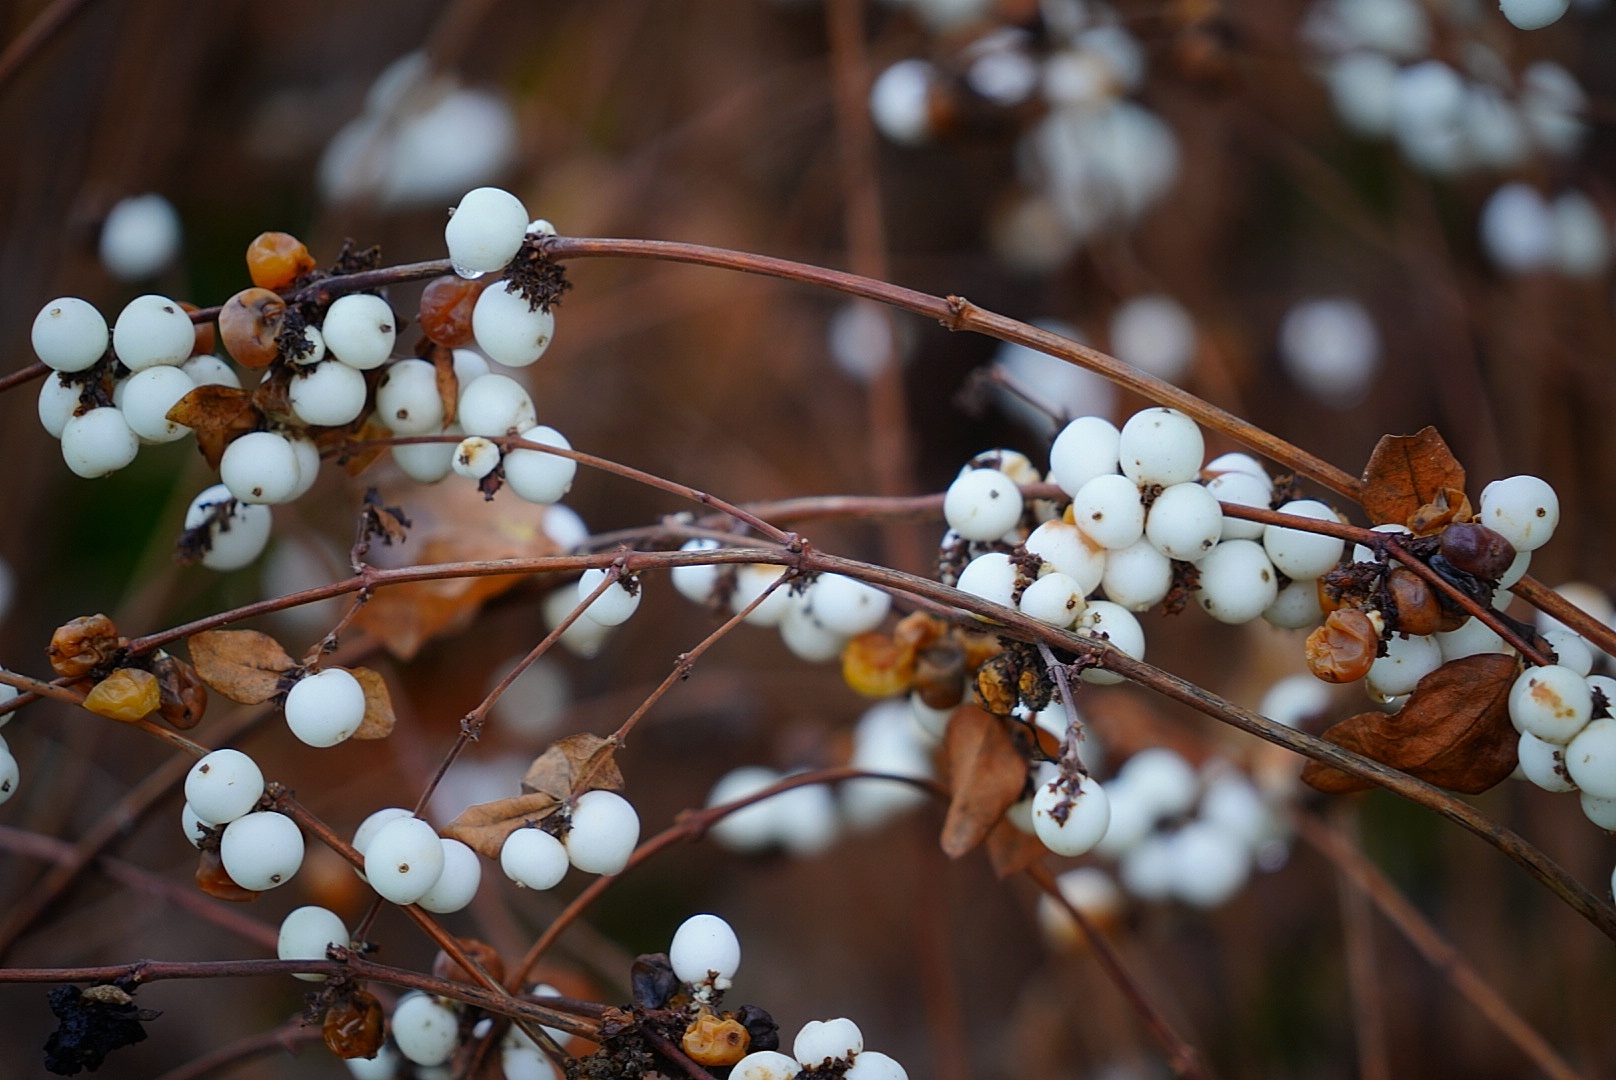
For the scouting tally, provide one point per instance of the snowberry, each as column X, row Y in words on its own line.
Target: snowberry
column 1295, row 698
column 407, row 398
column 223, row 786
column 1117, row 625
column 1409, row 658
column 192, row 826
column 425, row 1030
column 533, row 859
column 615, row 604
column 1054, row 598
column 10, row 773
column 261, row 850
column 823, row 1041
column 695, row 583
column 98, row 442
column 807, row 637
column 991, row 577
column 305, row 933
column 1160, row 446
column 1084, row 449
column 209, row 370
column 885, row 740
column 1184, row 522
column 509, row 329
column 537, row 476
column 1331, row 348
column 1071, row 822
column 1570, row 649
column 58, row 401
column 900, row 105
column 765, row 1065
column 428, row 463
column 1533, row 14
column 70, row 334
column 1209, row 864
column 475, row 457
column 359, row 329
column 1363, row 89
column 494, row 405
column 1109, row 511
column 604, row 830
column 326, row 707
column 583, row 637
column 1590, row 758
column 485, row 230
column 1602, row 812
column 139, row 237
column 148, row 395
column 1472, row 638
column 1155, row 334
column 1066, row 548
column 1242, row 489
column 1231, row 801
column 1149, row 868
column 261, row 467
column 805, row 819
column 705, row 949
column 1088, row 889
column 846, row 606
column 1522, row 509
column 373, row 824
column 328, row 394
column 751, row 581
column 525, row 1063
column 1582, row 242
column 238, row 537
column 152, row 330
column 1516, row 230
column 1544, row 763
column 1237, row 582
column 1551, row 702
column 751, row 828
column 403, row 859
column 1299, row 554
column 457, row 884
column 983, row 504
column 874, row 1065
column 1162, row 780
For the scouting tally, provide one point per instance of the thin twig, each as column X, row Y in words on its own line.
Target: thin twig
column 1363, row 975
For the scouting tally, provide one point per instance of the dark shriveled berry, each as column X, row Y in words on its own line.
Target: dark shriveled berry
column 1477, row 550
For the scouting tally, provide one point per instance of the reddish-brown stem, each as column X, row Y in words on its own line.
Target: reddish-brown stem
column 34, row 36
column 23, row 376
column 1367, row 879
column 1363, row 968
column 1181, row 1056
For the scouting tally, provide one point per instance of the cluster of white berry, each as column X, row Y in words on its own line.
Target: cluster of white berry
column 1386, row 83
column 260, row 849
column 1093, row 160
column 1523, row 232
column 597, row 835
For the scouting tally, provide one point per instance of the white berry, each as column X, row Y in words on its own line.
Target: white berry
column 474, row 457
column 537, row 476
column 605, row 829
column 326, row 707
column 821, row 1041
column 58, row 401
column 765, row 1065
column 991, row 577
column 1085, row 448
column 485, row 230
column 359, row 330
column 457, row 884
column 509, row 329
column 1237, row 582
column 427, row 463
column 1551, row 702
column 874, row 1065
column 140, row 236
column 98, row 442
column 70, row 334
column 1071, row 822
column 1109, row 511
column 982, row 504
column 261, row 850
column 1055, row 599
column 615, row 604
column 1408, row 659
column 1590, row 758
column 1544, row 763
column 705, row 949
column 1184, row 522
column 1160, row 446
column 328, row 394
column 846, row 606
column 1064, row 547
column 1533, row 14
column 751, row 581
column 533, row 859
column 261, row 467
column 148, row 395
column 305, row 934
column 1117, row 625
column 695, row 583
column 236, row 538
column 495, row 405
column 403, row 860
column 152, row 330
column 425, row 1030
column 1299, row 554
column 1242, row 489
column 223, row 786
column 407, row 398
column 1522, row 509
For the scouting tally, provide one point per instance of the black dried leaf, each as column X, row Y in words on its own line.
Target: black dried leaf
column 653, row 981
column 91, row 1027
column 761, row 1026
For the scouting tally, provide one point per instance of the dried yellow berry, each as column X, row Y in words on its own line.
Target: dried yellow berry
column 128, row 694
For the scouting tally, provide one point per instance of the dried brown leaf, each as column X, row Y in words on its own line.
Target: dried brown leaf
column 1010, row 851
column 986, row 774
column 1407, row 471
column 1454, row 731
column 484, row 827
column 574, row 765
column 448, row 382
column 243, row 665
column 379, row 719
column 218, row 415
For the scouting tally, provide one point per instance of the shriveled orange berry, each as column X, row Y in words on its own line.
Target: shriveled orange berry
column 1343, row 648
column 877, row 666
column 128, row 694
column 716, row 1041
column 79, row 647
column 249, row 323
column 353, row 1025
column 184, row 694
column 276, row 259
column 212, row 879
column 446, row 307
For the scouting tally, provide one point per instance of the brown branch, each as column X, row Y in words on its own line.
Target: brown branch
column 34, row 36
column 1363, row 974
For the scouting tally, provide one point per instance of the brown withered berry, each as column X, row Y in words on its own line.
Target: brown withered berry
column 128, row 694
column 940, row 675
column 249, row 323
column 714, row 1041
column 207, row 335
column 446, row 307
column 212, row 878
column 79, row 647
column 276, row 259
column 876, row 666
column 1414, row 608
column 184, row 695
column 1343, row 648
column 1477, row 550
column 447, row 967
column 353, row 1025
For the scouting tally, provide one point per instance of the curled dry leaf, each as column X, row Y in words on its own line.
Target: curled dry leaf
column 1406, row 472
column 243, row 665
column 1453, row 732
column 574, row 765
column 484, row 827
column 985, row 775
column 379, row 719
column 219, row 415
